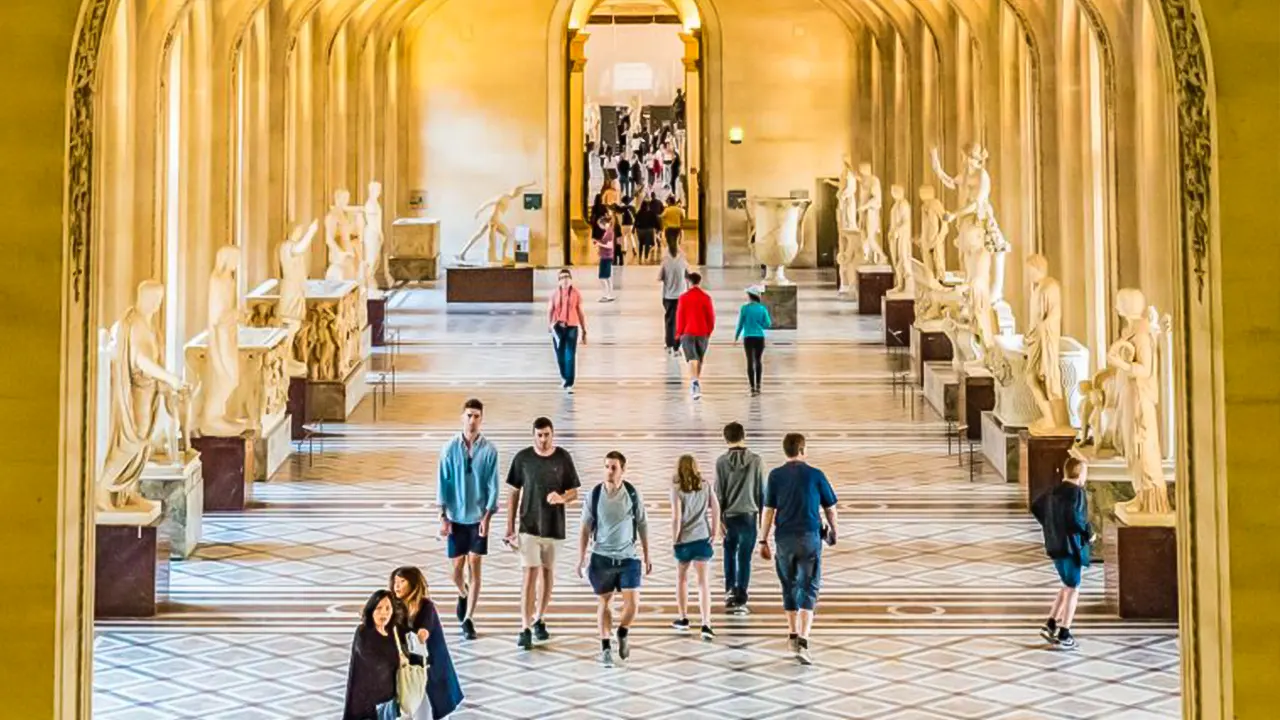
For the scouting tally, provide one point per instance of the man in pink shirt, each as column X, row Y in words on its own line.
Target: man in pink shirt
column 564, row 315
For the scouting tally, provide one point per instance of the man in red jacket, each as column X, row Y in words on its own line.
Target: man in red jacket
column 695, row 319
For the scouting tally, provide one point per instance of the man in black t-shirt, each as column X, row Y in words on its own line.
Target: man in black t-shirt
column 543, row 480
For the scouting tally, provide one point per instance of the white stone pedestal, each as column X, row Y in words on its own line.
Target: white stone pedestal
column 942, row 389
column 1000, row 446
column 180, row 490
column 272, row 446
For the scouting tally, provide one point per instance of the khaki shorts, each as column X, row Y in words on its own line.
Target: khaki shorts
column 537, row 551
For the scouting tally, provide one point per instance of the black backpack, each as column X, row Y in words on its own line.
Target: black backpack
column 596, row 494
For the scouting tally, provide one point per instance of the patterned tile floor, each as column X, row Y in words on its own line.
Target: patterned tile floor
column 929, row 604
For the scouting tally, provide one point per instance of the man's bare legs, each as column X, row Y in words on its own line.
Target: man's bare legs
column 474, row 563
column 528, row 591
column 695, row 370
column 604, row 615
column 460, row 576
column 804, row 623
column 1064, row 606
column 630, row 604
column 544, row 599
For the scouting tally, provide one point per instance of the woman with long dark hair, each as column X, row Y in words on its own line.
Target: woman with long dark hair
column 375, row 658
column 422, row 620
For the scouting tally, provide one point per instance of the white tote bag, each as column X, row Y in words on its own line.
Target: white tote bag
column 411, row 682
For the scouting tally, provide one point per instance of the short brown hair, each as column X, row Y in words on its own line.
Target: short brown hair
column 793, row 445
column 734, row 433
column 615, row 455
column 1072, row 468
column 473, row 404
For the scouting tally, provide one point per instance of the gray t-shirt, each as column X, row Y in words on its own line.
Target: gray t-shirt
column 694, row 522
column 673, row 276
column 618, row 536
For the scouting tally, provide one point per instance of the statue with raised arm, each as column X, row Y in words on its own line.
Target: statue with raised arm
column 1135, row 358
column 870, row 201
column 493, row 227
column 900, row 240
column 1043, row 343
column 371, row 236
column 294, row 252
column 219, row 416
column 341, row 224
column 933, row 233
column 137, row 374
column 975, row 215
column 846, row 224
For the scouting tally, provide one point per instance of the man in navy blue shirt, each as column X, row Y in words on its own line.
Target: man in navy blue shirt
column 796, row 498
column 1064, row 514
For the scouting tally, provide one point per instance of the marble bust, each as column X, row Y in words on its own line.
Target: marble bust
column 900, row 240
column 1134, row 358
column 1042, row 342
column 294, row 252
column 137, row 377
column 218, row 415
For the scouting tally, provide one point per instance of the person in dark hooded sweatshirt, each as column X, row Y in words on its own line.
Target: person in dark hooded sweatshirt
column 375, row 658
column 1064, row 514
column 740, row 487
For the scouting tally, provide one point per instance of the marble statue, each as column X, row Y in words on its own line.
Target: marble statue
column 870, row 201
column 900, row 240
column 591, row 121
column 218, row 415
column 976, row 220
column 371, row 237
column 1101, row 406
column 846, row 224
column 1134, row 357
column 137, row 374
column 933, row 233
column 779, row 232
column 341, row 223
column 493, row 227
column 1017, row 372
column 934, row 301
column 1042, row 341
column 292, row 312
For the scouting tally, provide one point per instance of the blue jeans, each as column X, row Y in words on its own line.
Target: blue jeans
column 799, row 564
column 566, row 345
column 739, row 547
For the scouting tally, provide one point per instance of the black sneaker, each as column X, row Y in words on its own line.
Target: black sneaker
column 1049, row 631
column 682, row 624
column 462, row 609
column 468, row 629
column 1066, row 640
column 525, row 641
column 708, row 633
column 624, row 647
column 540, row 631
column 802, row 652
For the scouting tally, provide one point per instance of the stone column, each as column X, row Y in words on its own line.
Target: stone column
column 577, row 150
column 693, row 116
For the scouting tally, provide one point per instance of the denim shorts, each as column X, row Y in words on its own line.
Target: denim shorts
column 609, row 575
column 695, row 550
column 1068, row 571
column 466, row 540
column 606, row 268
column 798, row 561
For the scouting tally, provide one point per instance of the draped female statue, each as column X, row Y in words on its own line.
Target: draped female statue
column 222, row 372
column 1134, row 356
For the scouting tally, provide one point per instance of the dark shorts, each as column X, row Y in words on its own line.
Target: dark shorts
column 608, row 575
column 466, row 540
column 694, row 347
column 1068, row 571
column 606, row 268
column 696, row 550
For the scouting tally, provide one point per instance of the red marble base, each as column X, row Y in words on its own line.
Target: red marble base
column 871, row 289
column 298, row 407
column 227, row 464
column 489, row 285
column 1141, row 570
column 899, row 313
column 131, row 572
column 977, row 395
column 377, row 308
column 1040, row 462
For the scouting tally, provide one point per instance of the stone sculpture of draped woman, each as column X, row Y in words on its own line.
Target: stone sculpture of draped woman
column 1134, row 358
column 137, row 373
column 294, row 254
column 222, row 370
column 1043, row 345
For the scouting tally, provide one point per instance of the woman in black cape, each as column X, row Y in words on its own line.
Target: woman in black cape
column 375, row 658
column 444, row 694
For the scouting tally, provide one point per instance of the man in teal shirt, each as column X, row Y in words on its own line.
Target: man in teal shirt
column 753, row 321
column 467, row 492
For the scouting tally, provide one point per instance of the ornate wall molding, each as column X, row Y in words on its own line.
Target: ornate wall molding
column 1195, row 136
column 80, row 146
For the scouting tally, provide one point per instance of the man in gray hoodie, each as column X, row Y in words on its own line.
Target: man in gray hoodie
column 740, row 487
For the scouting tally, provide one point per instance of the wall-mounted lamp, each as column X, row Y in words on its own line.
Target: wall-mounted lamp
column 736, row 135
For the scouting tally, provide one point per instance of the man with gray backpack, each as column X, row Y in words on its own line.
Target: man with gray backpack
column 616, row 529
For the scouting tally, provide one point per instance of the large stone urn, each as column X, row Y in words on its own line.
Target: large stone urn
column 1015, row 404
column 779, row 228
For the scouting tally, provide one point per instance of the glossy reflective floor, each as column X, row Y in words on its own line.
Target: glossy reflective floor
column 930, row 601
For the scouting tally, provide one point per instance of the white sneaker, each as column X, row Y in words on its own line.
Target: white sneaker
column 696, row 389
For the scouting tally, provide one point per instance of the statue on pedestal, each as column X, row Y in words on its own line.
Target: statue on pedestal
column 293, row 291
column 493, row 227
column 340, row 224
column 137, row 372
column 870, row 200
column 779, row 230
column 371, row 237
column 846, row 224
column 900, row 240
column 222, row 371
column 933, row 233
column 1134, row 357
column 1043, row 343
column 976, row 218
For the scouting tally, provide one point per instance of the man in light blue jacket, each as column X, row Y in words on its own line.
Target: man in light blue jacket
column 467, row 492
